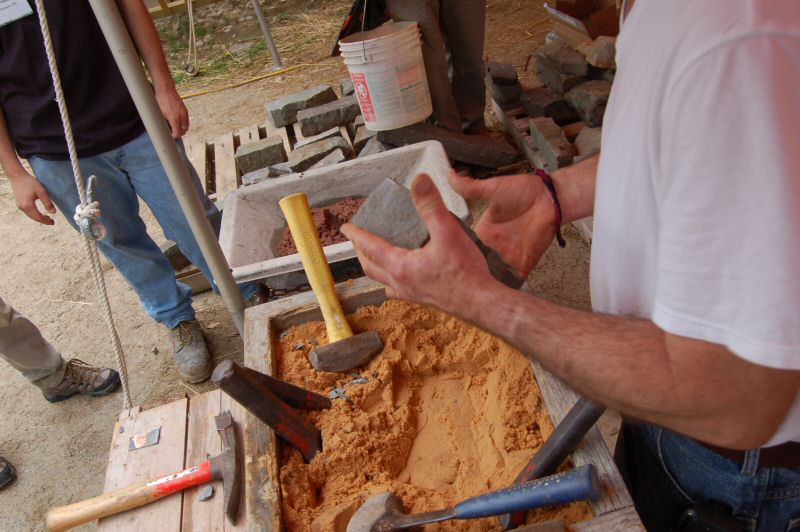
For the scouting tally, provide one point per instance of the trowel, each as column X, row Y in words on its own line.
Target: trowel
column 383, row 512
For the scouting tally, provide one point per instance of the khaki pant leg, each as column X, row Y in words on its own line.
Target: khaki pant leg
column 22, row 346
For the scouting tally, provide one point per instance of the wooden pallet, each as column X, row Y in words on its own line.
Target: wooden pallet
column 188, row 437
column 263, row 325
column 215, row 160
column 516, row 123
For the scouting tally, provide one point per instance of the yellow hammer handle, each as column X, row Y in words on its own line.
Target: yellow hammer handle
column 298, row 216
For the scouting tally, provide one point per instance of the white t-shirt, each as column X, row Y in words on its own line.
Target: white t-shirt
column 697, row 210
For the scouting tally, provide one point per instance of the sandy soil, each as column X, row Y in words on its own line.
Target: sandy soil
column 60, row 450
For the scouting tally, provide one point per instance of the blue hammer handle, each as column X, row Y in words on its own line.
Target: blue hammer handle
column 576, row 485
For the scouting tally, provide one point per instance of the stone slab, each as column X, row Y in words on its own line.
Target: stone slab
column 542, row 101
column 563, row 58
column 305, row 157
column 501, row 73
column 362, row 137
column 505, row 94
column 347, row 87
column 551, row 143
column 471, row 149
column 283, row 111
column 602, row 52
column 332, row 132
column 556, row 81
column 260, row 154
column 372, row 147
column 341, row 112
column 389, row 212
column 334, row 157
column 173, row 253
column 587, row 143
column 257, row 176
column 589, row 101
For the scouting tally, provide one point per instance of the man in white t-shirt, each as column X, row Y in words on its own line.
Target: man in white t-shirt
column 695, row 261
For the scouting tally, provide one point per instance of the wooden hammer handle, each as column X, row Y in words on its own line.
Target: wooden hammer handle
column 298, row 215
column 117, row 501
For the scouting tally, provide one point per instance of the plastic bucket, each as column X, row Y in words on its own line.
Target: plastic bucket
column 388, row 73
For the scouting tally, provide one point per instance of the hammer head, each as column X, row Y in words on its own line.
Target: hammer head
column 226, row 465
column 348, row 353
column 375, row 514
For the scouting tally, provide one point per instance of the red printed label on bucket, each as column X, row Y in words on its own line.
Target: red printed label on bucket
column 364, row 98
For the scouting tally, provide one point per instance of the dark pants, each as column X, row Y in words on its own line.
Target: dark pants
column 667, row 474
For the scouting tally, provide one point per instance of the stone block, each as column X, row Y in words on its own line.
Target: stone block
column 471, row 149
column 305, row 157
column 501, row 73
column 548, row 138
column 257, row 176
column 372, row 147
column 589, row 101
column 562, row 58
column 341, row 112
column 544, row 102
column 602, row 52
column 280, row 169
column 283, row 111
column 347, row 87
column 505, row 94
column 362, row 136
column 389, row 212
column 174, row 255
column 260, row 154
column 334, row 157
column 556, row 81
column 587, row 143
column 332, row 132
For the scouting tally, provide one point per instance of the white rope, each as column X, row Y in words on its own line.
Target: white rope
column 88, row 210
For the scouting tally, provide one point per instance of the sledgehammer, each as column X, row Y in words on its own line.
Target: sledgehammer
column 344, row 350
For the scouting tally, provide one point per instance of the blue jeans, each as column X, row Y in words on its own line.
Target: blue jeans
column 122, row 174
column 668, row 473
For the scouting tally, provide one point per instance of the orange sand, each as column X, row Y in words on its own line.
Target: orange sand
column 447, row 412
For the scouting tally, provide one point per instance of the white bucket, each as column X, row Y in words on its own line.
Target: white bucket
column 388, row 73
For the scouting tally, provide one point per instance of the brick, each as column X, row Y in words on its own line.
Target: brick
column 341, row 112
column 471, row 149
column 562, row 58
column 334, row 157
column 556, row 81
column 332, row 132
column 501, row 73
column 175, row 256
column 372, row 147
column 602, row 52
column 347, row 87
column 548, row 138
column 257, row 176
column 362, row 136
column 260, row 154
column 389, row 212
column 305, row 157
column 283, row 111
column 544, row 102
column 589, row 101
column 587, row 143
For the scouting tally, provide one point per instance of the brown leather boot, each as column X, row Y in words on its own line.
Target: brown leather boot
column 82, row 378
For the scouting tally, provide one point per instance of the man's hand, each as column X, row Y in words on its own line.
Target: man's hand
column 518, row 223
column 443, row 273
column 174, row 110
column 27, row 190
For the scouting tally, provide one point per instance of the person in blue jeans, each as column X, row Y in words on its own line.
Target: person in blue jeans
column 112, row 144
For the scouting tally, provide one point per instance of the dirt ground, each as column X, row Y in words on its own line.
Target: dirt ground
column 60, row 450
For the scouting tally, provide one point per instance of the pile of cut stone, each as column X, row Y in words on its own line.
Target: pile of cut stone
column 573, row 88
column 317, row 114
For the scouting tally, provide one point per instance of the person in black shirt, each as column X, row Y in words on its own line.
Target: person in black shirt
column 111, row 144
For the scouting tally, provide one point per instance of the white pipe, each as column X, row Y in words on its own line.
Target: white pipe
column 119, row 41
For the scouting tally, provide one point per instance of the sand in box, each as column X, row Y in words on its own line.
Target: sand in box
column 444, row 413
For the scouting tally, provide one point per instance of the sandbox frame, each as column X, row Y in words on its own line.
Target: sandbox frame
column 263, row 325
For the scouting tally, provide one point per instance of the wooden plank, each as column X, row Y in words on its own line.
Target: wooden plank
column 178, row 6
column 197, row 152
column 164, row 7
column 203, row 440
column 347, row 139
column 625, row 519
column 227, row 175
column 131, row 467
column 281, row 132
column 246, row 135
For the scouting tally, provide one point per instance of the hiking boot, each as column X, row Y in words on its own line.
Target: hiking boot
column 82, row 378
column 7, row 473
column 190, row 351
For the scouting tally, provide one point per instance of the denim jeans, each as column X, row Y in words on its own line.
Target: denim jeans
column 668, row 473
column 122, row 174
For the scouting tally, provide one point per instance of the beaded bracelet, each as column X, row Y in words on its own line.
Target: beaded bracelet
column 548, row 182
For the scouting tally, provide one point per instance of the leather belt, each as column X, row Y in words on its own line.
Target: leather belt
column 785, row 455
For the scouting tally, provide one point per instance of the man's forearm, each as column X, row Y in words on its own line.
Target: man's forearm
column 575, row 186
column 11, row 164
column 145, row 37
column 634, row 367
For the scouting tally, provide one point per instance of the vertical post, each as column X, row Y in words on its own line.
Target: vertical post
column 262, row 20
column 119, row 41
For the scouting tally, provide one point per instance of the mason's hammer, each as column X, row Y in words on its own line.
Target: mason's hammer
column 223, row 467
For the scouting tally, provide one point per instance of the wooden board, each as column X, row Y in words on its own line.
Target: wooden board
column 264, row 323
column 132, row 467
column 198, row 156
column 165, row 8
column 227, row 175
column 202, row 440
column 246, row 135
